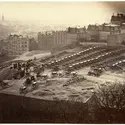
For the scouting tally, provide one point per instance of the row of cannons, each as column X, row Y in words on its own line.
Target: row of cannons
column 95, row 60
column 72, row 57
column 80, row 56
column 56, row 65
column 77, row 56
column 114, row 65
column 97, row 71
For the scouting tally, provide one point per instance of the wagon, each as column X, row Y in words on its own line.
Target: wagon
column 23, row 89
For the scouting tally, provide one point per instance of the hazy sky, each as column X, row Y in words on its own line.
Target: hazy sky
column 72, row 13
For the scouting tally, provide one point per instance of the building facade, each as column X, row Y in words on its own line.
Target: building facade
column 59, row 38
column 100, row 32
column 71, row 38
column 118, row 19
column 116, row 39
column 82, row 35
column 54, row 39
column 33, row 45
column 16, row 45
column 103, row 35
column 45, row 41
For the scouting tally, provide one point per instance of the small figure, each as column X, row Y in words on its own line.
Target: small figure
column 34, row 85
column 28, row 81
column 22, row 73
column 23, row 89
column 32, row 78
column 54, row 74
column 34, row 58
column 38, row 75
column 15, row 66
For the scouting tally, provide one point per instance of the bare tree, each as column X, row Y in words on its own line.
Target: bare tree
column 112, row 102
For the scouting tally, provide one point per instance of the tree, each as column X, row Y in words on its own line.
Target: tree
column 112, row 103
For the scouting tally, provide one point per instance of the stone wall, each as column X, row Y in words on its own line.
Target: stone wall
column 54, row 111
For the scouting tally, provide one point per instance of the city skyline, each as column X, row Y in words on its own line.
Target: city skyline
column 58, row 13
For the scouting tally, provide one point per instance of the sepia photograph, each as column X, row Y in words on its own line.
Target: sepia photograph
column 62, row 62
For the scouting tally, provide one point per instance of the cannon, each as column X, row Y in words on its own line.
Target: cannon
column 54, row 74
column 34, row 85
column 44, row 76
column 93, row 73
column 23, row 89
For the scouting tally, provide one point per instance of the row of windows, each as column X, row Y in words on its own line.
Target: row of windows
column 18, row 42
column 19, row 46
column 17, row 49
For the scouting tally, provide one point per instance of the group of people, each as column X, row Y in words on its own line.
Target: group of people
column 23, row 69
column 30, row 81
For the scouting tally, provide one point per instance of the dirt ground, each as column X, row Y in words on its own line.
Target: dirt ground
column 32, row 54
column 54, row 89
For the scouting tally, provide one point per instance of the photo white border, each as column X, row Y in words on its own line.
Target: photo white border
column 61, row 1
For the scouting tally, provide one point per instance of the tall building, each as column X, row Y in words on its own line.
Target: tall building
column 118, row 19
column 72, row 30
column 101, row 32
column 33, row 45
column 81, row 34
column 53, row 39
column 45, row 41
column 16, row 45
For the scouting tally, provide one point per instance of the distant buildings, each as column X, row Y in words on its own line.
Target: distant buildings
column 33, row 45
column 5, row 29
column 94, row 33
column 116, row 39
column 53, row 39
column 118, row 19
column 16, row 45
column 45, row 41
column 100, row 32
column 82, row 34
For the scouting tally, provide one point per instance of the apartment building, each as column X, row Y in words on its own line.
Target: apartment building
column 53, row 39
column 16, row 45
column 82, row 35
column 45, row 41
column 116, row 39
column 118, row 19
column 101, row 32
